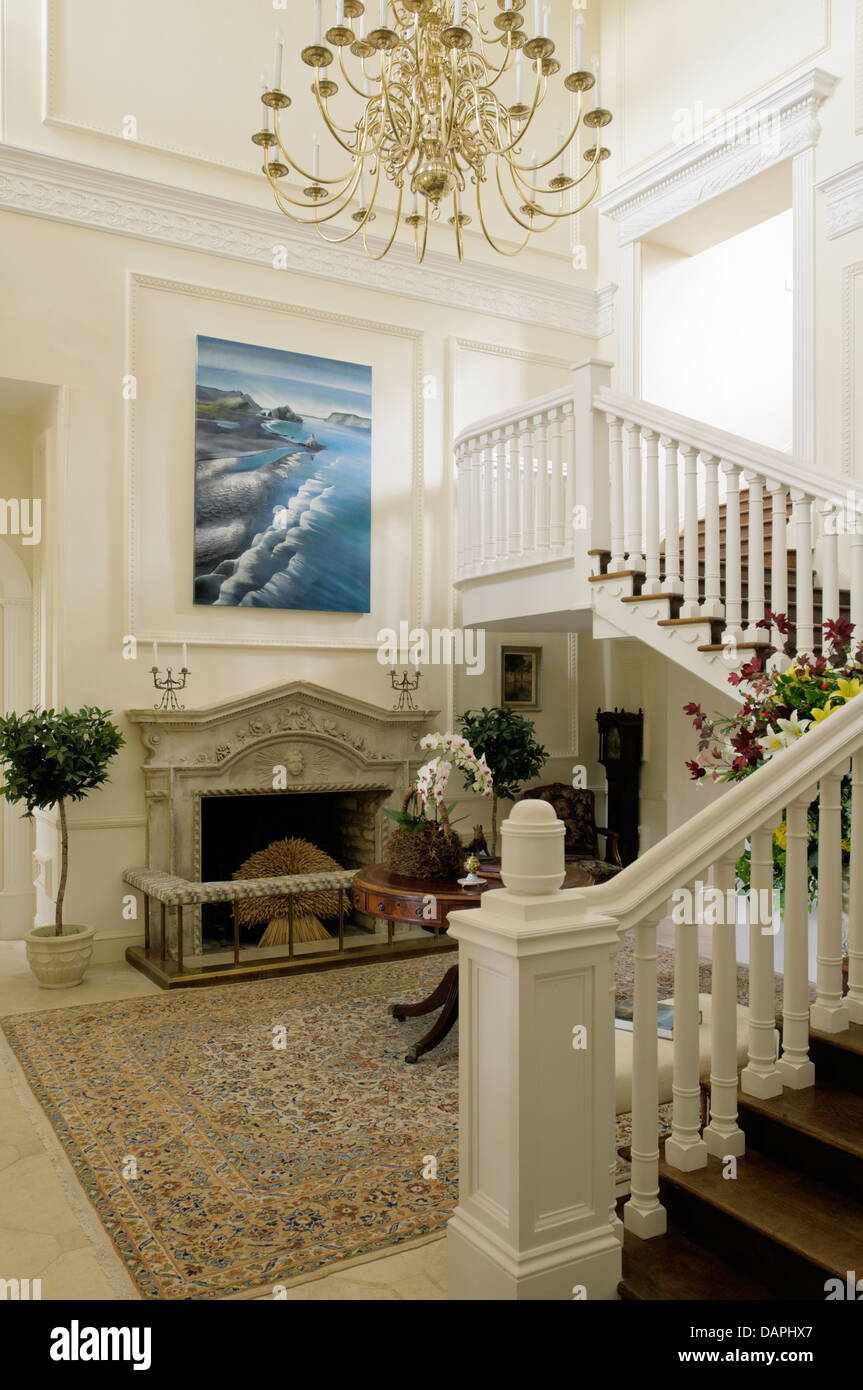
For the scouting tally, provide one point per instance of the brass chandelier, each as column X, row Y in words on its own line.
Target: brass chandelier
column 445, row 102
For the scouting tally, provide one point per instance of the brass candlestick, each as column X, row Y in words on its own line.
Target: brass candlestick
column 406, row 686
column 170, row 684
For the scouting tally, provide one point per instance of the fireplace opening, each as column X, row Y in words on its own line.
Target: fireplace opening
column 341, row 823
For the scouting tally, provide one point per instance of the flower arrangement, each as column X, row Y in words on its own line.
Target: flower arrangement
column 426, row 846
column 779, row 707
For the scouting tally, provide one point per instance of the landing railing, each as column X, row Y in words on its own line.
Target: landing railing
column 536, row 1202
column 680, row 505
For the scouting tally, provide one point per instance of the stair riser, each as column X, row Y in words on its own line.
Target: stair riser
column 803, row 1152
column 753, row 1252
column 834, row 1064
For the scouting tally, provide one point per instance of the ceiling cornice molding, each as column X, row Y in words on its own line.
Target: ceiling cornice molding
column 43, row 185
column 844, row 194
column 745, row 141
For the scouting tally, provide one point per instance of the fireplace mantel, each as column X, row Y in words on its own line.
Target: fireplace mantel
column 324, row 741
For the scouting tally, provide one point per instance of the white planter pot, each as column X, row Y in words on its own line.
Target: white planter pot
column 59, row 962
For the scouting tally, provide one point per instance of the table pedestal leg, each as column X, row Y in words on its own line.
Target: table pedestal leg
column 443, row 997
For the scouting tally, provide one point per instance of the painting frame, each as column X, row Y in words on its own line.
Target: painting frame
column 521, row 677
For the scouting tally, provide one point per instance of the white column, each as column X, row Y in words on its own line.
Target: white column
column 685, row 1148
column 672, row 584
column 829, row 572
column 536, row 1083
column 733, row 576
column 500, row 533
column 651, row 512
column 615, row 485
column 755, row 563
column 632, row 507
column 854, row 998
column 803, row 204
column 779, row 556
column 644, row 1214
column 761, row 1076
column 804, row 580
column 691, row 603
column 795, row 1067
column 723, row 1135
column 712, row 605
column 514, row 485
column 829, row 1013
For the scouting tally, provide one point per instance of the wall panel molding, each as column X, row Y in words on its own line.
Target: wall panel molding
column 844, row 194
column 137, row 283
column 64, row 191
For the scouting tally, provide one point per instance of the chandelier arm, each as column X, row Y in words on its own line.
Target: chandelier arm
column 505, row 149
column 346, row 195
column 564, row 147
column 488, row 236
column 346, row 75
column 289, row 158
column 405, row 149
column 349, row 149
column 396, row 225
column 458, row 237
column 544, row 212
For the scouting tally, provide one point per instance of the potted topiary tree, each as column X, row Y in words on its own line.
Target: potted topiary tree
column 511, row 749
column 49, row 758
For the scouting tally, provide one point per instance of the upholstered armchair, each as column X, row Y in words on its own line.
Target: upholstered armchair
column 576, row 807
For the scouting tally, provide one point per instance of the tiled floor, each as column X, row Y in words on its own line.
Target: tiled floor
column 47, row 1228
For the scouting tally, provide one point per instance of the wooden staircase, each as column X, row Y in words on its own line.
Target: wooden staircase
column 773, row 1231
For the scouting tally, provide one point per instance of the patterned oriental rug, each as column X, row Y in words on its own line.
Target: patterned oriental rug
column 237, row 1138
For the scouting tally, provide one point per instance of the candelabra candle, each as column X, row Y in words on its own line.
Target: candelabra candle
column 340, row 12
column 579, row 42
column 519, row 68
column 546, row 20
column 458, row 11
column 316, row 157
column 278, row 56
column 596, row 100
column 383, row 13
column 318, row 23
column 537, row 17
column 561, row 136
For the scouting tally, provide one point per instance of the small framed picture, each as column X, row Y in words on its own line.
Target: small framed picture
column 521, row 677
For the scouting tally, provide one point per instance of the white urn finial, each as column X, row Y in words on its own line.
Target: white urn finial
column 532, row 857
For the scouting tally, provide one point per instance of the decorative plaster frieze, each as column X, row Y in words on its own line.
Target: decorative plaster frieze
column 747, row 140
column 844, row 194
column 45, row 186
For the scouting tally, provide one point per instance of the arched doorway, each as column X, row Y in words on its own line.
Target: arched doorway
column 17, row 895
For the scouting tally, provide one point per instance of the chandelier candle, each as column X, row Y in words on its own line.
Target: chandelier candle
column 440, row 109
column 579, row 41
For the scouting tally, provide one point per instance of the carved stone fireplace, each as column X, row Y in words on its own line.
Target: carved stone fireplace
column 294, row 741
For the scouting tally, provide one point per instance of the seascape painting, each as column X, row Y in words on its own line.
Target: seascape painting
column 282, row 479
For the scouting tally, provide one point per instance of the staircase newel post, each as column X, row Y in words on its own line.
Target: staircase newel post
column 536, row 1082
column 589, row 465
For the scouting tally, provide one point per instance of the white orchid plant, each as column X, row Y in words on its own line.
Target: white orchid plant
column 451, row 751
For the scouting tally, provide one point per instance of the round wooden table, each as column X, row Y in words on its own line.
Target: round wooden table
column 428, row 902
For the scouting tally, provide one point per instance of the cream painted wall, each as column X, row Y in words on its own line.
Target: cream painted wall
column 17, row 440
column 79, row 283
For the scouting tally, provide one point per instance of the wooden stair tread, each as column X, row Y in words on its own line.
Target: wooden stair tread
column 674, row 1267
column 616, row 574
column 790, row 1209
column 825, row 1112
column 849, row 1041
column 738, row 646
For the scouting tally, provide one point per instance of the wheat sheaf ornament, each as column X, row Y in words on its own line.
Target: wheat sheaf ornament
column 280, row 858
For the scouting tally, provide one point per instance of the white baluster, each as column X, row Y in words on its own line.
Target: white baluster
column 473, row 547
column 829, row 1013
column 854, row 998
column 795, row 1067
column 615, row 483
column 712, row 605
column 761, row 1076
column 527, row 490
column 723, row 1134
column 514, row 486
column 487, row 457
column 541, row 449
column 685, row 1148
column 691, row 604
column 555, row 502
column 755, row 563
column 778, row 557
column 569, row 476
column 829, row 572
column 461, row 506
column 632, row 504
column 500, row 533
column 672, row 584
column 651, row 512
column 733, row 575
column 644, row 1214
column 804, row 599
